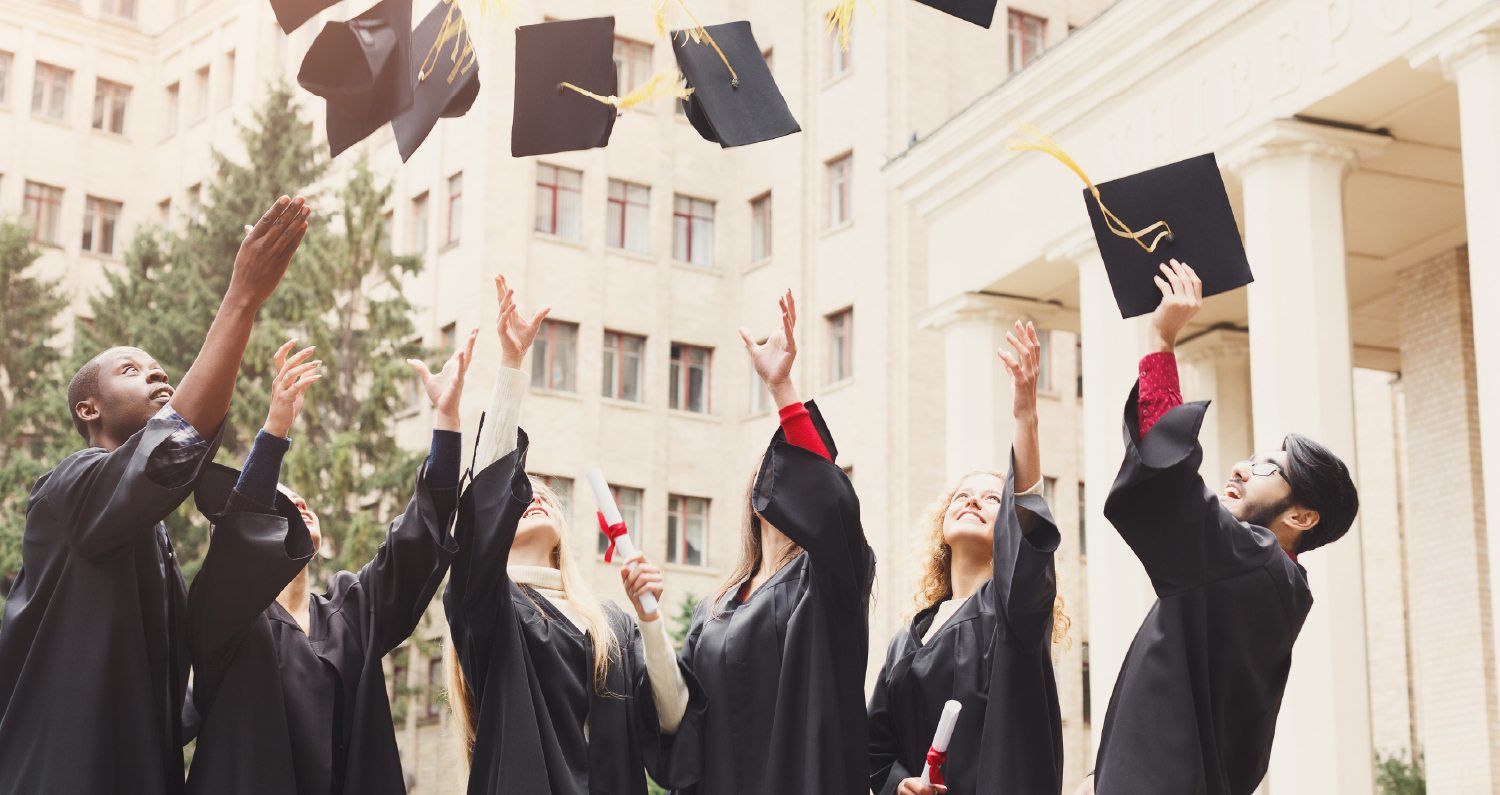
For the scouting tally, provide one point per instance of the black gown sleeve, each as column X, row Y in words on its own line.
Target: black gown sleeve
column 673, row 760
column 887, row 771
column 1164, row 511
column 808, row 498
column 1025, row 583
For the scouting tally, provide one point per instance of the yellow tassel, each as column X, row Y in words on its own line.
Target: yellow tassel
column 659, row 12
column 666, row 83
column 1044, row 144
column 841, row 16
column 455, row 29
column 496, row 8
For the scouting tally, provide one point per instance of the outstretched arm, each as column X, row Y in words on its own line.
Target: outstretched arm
column 1023, row 369
column 773, row 361
column 498, row 436
column 262, row 470
column 203, row 398
column 1182, row 297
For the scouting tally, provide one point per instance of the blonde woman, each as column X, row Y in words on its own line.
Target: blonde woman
column 554, row 690
column 985, row 622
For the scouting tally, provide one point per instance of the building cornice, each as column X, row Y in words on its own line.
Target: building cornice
column 1003, row 309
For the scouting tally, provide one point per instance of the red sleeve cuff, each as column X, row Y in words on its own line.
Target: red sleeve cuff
column 800, row 431
column 1160, row 391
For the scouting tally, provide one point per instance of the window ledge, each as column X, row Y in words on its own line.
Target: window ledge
column 114, row 19
column 695, row 415
column 557, row 393
column 837, row 386
column 114, row 136
column 42, row 117
column 833, row 230
column 838, row 78
column 631, row 254
column 688, row 266
column 449, row 246
column 620, row 403
column 687, row 569
column 755, row 415
column 101, row 257
column 548, row 237
column 757, row 265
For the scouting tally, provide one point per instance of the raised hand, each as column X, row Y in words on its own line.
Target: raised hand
column 1181, row 298
column 267, row 248
column 645, row 579
column 773, row 358
column 294, row 374
column 446, row 387
column 516, row 335
column 1024, row 368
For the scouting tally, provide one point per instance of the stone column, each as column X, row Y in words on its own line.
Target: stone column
column 1215, row 366
column 1451, row 603
column 979, row 425
column 1302, row 380
column 1119, row 592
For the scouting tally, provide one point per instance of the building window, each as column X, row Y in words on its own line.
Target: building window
column 124, row 9
column 690, row 378
column 693, row 231
column 174, row 104
column 839, row 175
column 760, row 228
column 629, row 210
column 49, row 91
column 552, row 356
column 623, row 354
column 1083, row 537
column 164, row 212
column 455, row 206
column 1088, row 706
column 1044, row 371
column 563, row 488
column 1026, row 38
column 43, row 208
column 100, row 216
column 559, row 201
column 5, row 61
column 226, row 96
column 109, row 106
column 1078, row 365
column 760, row 394
column 840, row 57
column 448, row 335
column 203, row 93
column 195, row 204
column 629, row 502
column 419, row 224
column 1049, row 490
column 840, row 346
column 434, row 685
column 687, row 530
column 632, row 65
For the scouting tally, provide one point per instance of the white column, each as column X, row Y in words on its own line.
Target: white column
column 1215, row 366
column 1120, row 593
column 1301, row 380
column 1474, row 64
column 977, row 395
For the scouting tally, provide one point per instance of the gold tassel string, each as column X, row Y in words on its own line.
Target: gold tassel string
column 697, row 32
column 1047, row 145
column 456, row 29
column 841, row 16
column 496, row 8
column 666, row 83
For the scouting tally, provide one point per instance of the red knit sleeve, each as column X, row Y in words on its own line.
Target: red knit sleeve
column 800, row 431
column 1160, row 392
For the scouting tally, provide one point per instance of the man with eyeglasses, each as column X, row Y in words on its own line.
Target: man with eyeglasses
column 1194, row 707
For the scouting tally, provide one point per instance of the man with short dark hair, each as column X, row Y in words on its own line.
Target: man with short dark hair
column 1194, row 708
column 93, row 659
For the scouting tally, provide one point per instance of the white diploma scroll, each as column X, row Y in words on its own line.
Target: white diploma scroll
column 611, row 512
column 941, row 737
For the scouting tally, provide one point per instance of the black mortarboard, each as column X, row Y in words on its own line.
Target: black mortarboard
column 1189, row 197
column 363, row 68
column 446, row 71
column 290, row 14
column 726, row 110
column 549, row 118
column 980, row 12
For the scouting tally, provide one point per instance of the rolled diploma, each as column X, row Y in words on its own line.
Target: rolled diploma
column 612, row 515
column 943, row 734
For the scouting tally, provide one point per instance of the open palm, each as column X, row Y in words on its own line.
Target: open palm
column 773, row 358
column 516, row 334
column 446, row 387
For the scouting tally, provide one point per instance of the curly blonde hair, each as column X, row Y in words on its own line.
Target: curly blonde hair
column 936, row 581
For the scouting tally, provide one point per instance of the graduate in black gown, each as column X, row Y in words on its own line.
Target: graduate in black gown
column 555, row 691
column 93, row 662
column 1194, row 707
column 287, row 682
column 781, row 650
column 987, row 618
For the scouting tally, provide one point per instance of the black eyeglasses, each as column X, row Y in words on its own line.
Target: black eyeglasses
column 1265, row 469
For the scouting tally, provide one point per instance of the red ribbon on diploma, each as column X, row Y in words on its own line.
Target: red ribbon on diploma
column 935, row 760
column 613, row 531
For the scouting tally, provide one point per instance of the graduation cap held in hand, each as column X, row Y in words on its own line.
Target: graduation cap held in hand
column 445, row 72
column 363, row 68
column 734, row 99
column 1179, row 211
column 980, row 12
column 548, row 117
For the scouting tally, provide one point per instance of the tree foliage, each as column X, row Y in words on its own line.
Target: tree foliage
column 1399, row 775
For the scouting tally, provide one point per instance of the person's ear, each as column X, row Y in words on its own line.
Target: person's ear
column 87, row 409
column 1300, row 519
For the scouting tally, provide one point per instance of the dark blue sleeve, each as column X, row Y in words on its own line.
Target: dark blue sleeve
column 444, row 459
column 263, row 468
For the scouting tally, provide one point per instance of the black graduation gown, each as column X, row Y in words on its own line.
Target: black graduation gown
column 994, row 657
column 1194, row 707
column 785, row 670
column 287, row 712
column 93, row 655
column 531, row 671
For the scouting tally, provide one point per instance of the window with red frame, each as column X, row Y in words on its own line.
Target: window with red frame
column 435, row 685
column 1027, row 37
column 42, row 206
column 455, row 206
column 110, row 99
column 840, row 57
column 840, row 173
column 623, row 355
column 553, row 354
column 628, row 217
column 559, row 201
column 687, row 530
column 840, row 346
column 693, row 231
column 690, row 378
column 100, row 217
column 629, row 502
column 760, row 228
column 632, row 64
column 49, row 91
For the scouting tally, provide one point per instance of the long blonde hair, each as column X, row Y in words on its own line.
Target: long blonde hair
column 578, row 595
column 936, row 581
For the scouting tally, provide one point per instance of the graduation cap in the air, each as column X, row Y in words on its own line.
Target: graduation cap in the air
column 363, row 68
column 446, row 72
column 1179, row 211
column 980, row 12
column 549, row 116
column 735, row 100
column 290, row 14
